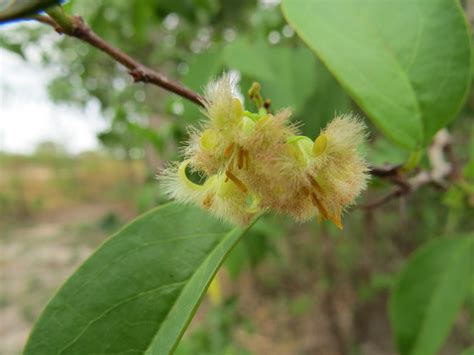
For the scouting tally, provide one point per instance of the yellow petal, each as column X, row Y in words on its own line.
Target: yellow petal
column 237, row 108
column 208, row 140
column 320, row 145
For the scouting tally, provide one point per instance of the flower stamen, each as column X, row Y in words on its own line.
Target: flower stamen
column 240, row 158
column 320, row 145
column 208, row 201
column 305, row 190
column 246, row 158
column 240, row 185
column 314, row 184
column 336, row 219
column 229, row 150
column 322, row 210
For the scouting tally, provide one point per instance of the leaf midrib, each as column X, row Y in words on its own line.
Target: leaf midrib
column 141, row 246
column 206, row 260
column 123, row 301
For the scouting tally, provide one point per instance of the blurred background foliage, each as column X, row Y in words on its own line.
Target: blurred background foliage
column 289, row 289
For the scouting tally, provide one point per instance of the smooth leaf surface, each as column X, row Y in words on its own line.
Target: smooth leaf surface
column 328, row 100
column 429, row 294
column 137, row 293
column 405, row 62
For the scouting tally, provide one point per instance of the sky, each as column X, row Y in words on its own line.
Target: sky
column 28, row 117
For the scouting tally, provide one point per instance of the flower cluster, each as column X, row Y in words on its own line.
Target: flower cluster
column 253, row 162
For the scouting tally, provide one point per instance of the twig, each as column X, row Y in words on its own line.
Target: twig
column 385, row 171
column 74, row 26
column 440, row 170
column 47, row 21
column 396, row 193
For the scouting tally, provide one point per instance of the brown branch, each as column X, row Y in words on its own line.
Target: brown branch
column 392, row 173
column 396, row 193
column 385, row 171
column 76, row 27
column 440, row 170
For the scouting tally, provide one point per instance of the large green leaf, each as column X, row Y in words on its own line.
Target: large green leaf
column 140, row 289
column 327, row 100
column 429, row 294
column 405, row 62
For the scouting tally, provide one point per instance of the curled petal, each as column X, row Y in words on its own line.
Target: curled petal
column 300, row 148
column 184, row 178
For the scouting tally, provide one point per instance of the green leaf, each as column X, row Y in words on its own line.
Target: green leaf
column 327, row 100
column 138, row 292
column 405, row 62
column 383, row 151
column 287, row 75
column 13, row 9
column 142, row 19
column 429, row 294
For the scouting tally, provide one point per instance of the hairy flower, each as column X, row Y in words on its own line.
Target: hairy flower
column 251, row 162
column 222, row 194
column 330, row 171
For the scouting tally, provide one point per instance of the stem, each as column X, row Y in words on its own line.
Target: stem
column 440, row 170
column 385, row 171
column 412, row 161
column 65, row 22
column 47, row 21
column 74, row 26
